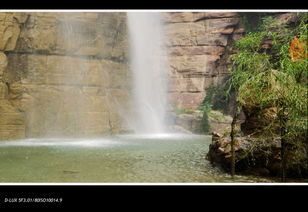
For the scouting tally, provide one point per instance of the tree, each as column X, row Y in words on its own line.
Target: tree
column 232, row 135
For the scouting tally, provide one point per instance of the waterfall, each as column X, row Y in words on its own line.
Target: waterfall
column 149, row 72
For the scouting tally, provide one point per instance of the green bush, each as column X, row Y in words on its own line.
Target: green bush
column 205, row 124
column 216, row 97
column 272, row 78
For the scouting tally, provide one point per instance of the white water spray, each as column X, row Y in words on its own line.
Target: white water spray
column 149, row 72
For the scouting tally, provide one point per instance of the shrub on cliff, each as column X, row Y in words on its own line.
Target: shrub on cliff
column 271, row 80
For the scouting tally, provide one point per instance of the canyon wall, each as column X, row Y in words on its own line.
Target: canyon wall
column 62, row 74
column 66, row 74
column 198, row 44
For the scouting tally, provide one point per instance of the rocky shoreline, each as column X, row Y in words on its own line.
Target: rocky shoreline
column 253, row 156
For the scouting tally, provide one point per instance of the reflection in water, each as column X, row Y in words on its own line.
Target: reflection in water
column 124, row 158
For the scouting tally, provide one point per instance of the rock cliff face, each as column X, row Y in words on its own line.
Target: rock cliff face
column 62, row 74
column 198, row 46
column 66, row 74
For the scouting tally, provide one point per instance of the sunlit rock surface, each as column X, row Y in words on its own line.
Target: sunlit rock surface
column 198, row 43
column 66, row 74
column 62, row 74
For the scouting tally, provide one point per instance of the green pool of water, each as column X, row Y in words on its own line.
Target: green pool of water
column 117, row 159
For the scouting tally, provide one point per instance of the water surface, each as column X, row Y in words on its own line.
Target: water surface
column 126, row 158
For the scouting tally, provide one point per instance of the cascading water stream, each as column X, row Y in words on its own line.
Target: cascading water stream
column 149, row 73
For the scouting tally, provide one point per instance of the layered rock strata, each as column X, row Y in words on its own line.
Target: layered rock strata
column 62, row 74
column 198, row 45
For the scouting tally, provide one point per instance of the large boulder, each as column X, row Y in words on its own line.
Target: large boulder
column 253, row 156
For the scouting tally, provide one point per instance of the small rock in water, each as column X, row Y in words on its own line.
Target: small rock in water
column 69, row 172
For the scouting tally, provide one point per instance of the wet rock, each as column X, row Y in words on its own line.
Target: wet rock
column 250, row 154
column 179, row 129
column 70, row 172
column 253, row 156
column 193, row 122
column 219, row 122
column 188, row 123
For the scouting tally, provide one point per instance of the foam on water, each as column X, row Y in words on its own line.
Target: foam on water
column 158, row 136
column 70, row 142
